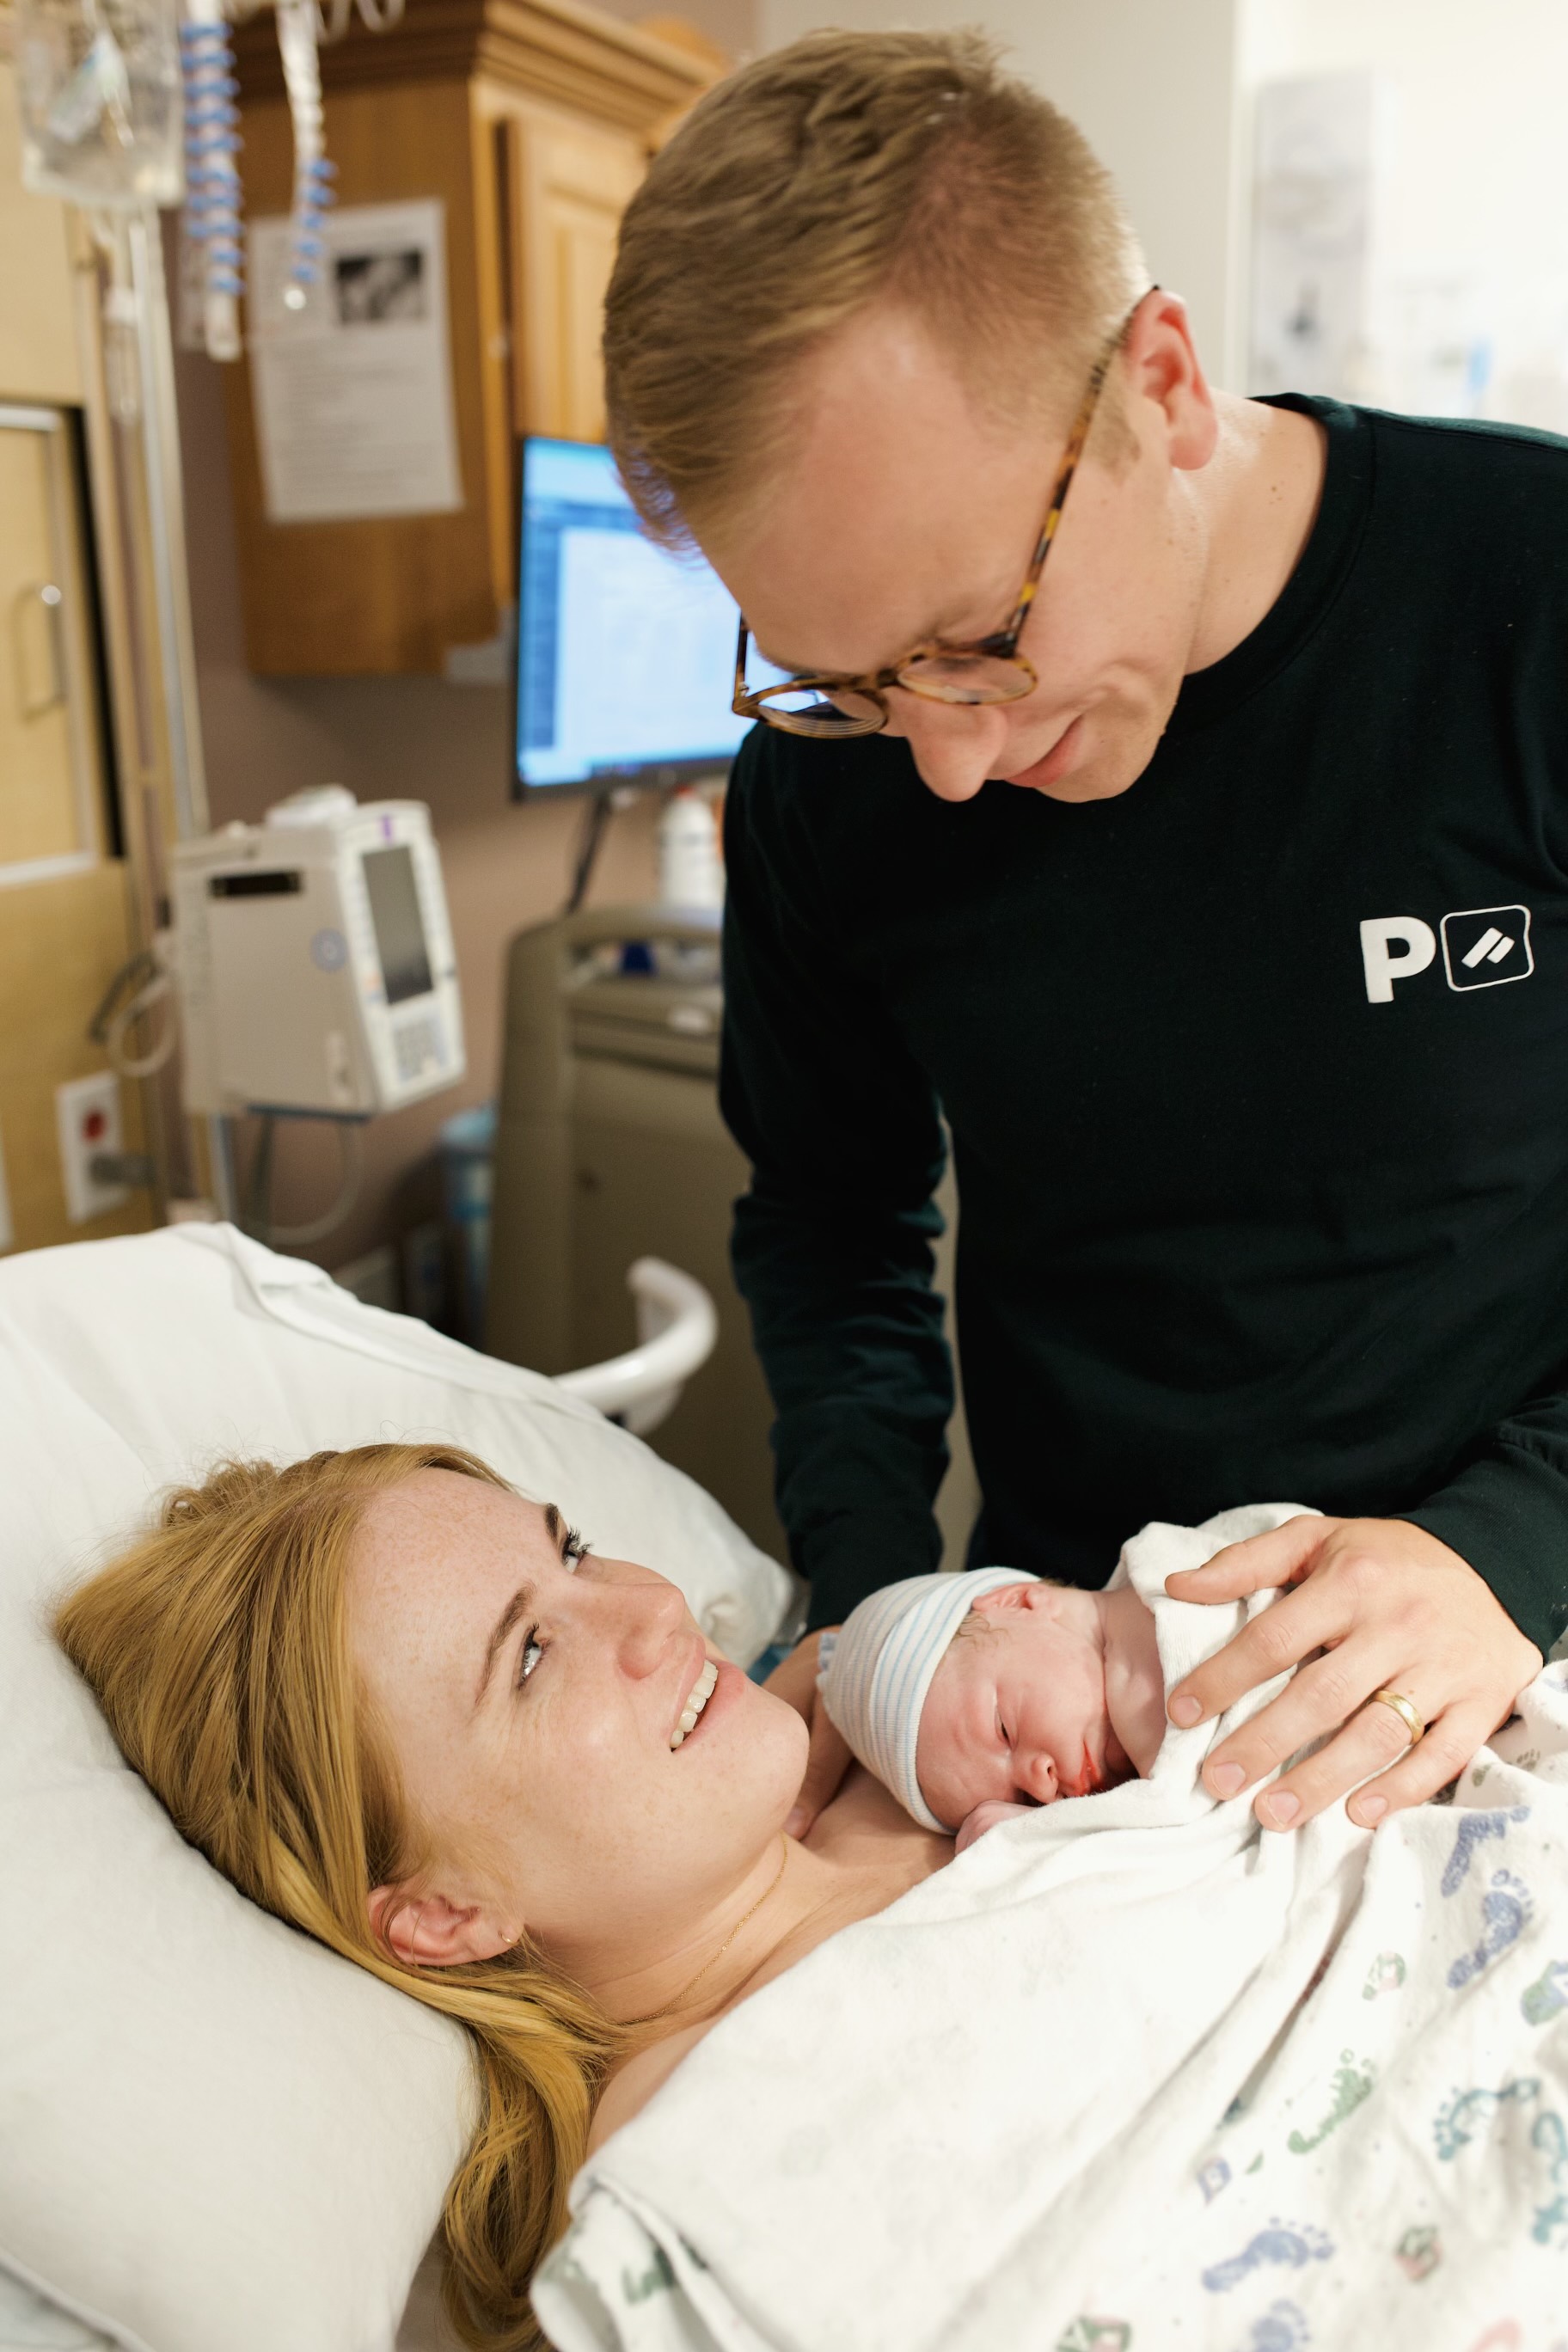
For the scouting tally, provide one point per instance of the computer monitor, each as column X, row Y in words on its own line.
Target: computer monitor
column 625, row 655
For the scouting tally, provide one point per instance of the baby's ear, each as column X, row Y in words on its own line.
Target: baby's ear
column 1003, row 1597
column 1044, row 1593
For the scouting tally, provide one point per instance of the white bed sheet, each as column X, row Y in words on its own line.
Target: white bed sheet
column 1131, row 2073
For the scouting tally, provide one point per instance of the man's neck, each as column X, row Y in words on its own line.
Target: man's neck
column 1258, row 499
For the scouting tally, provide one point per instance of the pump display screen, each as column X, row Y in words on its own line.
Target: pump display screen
column 399, row 933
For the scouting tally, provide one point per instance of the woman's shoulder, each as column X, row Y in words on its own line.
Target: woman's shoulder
column 866, row 1824
column 636, row 2079
column 865, row 1829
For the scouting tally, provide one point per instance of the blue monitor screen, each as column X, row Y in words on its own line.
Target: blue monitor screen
column 625, row 656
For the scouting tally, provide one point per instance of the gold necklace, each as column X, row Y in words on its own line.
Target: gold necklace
column 671, row 2006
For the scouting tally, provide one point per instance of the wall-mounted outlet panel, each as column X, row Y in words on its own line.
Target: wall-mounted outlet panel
column 86, row 1111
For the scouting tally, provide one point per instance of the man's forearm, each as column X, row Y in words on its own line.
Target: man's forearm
column 1508, row 1516
column 832, row 1246
column 1506, row 1513
column 850, row 1336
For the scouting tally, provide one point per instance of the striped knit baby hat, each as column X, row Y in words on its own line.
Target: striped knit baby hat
column 881, row 1664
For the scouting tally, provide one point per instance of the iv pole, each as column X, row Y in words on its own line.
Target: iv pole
column 138, row 483
column 171, row 595
column 158, row 719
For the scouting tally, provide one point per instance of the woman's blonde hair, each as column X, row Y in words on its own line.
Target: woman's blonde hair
column 847, row 169
column 218, row 1648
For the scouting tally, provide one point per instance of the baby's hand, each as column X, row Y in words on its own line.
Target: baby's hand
column 985, row 1817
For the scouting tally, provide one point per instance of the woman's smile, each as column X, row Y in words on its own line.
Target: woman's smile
column 729, row 1686
column 701, row 1691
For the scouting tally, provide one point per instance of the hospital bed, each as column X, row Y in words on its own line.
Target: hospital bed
column 1075, row 2093
column 212, row 2133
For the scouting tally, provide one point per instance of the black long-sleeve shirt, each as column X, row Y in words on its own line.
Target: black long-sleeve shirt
column 1261, row 1129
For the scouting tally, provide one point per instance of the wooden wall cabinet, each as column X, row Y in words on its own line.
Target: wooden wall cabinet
column 533, row 121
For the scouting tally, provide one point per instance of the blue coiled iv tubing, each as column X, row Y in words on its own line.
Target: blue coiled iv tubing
column 211, row 178
column 213, row 200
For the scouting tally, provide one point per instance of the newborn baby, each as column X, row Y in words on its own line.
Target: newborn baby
column 975, row 1697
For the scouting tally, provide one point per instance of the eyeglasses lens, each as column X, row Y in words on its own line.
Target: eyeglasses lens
column 966, row 678
column 805, row 710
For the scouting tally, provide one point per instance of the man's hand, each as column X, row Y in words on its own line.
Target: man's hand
column 795, row 1679
column 1393, row 1609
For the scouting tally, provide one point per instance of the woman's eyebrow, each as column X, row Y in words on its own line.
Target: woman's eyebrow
column 518, row 1607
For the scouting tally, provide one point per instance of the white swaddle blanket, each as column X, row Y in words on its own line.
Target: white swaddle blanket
column 1127, row 2074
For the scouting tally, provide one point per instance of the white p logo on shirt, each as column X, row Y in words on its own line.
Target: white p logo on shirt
column 1379, row 936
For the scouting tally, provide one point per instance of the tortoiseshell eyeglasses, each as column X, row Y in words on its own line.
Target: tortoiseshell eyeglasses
column 987, row 670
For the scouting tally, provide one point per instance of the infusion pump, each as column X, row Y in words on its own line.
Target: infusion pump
column 314, row 961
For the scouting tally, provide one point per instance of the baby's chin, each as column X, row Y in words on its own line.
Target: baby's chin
column 1112, row 1766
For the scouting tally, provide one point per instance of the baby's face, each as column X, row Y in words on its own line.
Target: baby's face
column 1019, row 1712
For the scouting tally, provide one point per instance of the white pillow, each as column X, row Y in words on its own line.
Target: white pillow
column 214, row 2132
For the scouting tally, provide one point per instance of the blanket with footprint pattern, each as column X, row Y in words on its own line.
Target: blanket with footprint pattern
column 1131, row 2076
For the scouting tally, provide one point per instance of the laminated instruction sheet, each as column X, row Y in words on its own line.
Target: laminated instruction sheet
column 354, row 389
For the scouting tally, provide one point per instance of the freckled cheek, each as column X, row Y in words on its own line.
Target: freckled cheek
column 551, row 1769
column 592, row 1755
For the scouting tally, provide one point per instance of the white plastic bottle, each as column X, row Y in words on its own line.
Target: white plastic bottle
column 691, row 871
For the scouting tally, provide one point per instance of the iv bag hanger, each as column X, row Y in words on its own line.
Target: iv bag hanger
column 213, row 263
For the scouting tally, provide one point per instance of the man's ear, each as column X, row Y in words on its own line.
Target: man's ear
column 427, row 1931
column 1162, row 366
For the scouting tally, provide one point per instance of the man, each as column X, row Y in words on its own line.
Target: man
column 1182, row 858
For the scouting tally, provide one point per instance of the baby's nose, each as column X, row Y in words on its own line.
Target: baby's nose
column 1037, row 1776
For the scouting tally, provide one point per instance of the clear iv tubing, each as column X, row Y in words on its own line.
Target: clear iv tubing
column 377, row 16
column 298, row 32
column 212, row 177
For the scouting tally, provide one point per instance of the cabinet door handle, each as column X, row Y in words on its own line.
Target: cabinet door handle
column 43, row 593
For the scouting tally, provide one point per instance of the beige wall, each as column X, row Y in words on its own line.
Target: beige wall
column 1153, row 84
column 730, row 24
column 411, row 738
column 1470, row 226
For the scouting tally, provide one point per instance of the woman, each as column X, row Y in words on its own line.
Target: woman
column 416, row 1717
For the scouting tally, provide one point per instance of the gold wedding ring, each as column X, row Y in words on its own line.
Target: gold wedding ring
column 1405, row 1711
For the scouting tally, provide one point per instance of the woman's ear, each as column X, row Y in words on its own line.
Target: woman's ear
column 427, row 1931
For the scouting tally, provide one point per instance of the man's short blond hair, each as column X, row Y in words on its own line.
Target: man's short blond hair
column 849, row 168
